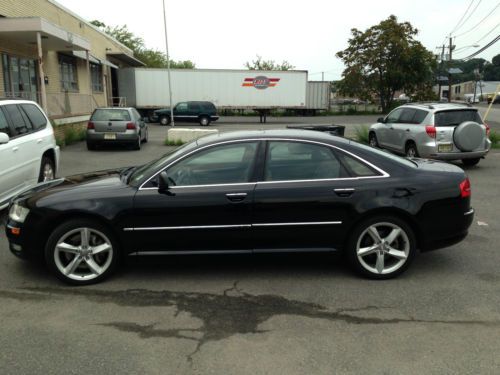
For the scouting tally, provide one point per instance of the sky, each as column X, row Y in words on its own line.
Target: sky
column 224, row 34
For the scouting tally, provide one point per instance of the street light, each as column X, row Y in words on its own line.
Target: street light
column 168, row 65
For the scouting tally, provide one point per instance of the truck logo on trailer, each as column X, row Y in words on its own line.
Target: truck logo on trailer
column 260, row 82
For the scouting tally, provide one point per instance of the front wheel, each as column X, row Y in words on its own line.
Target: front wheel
column 381, row 247
column 47, row 170
column 470, row 162
column 81, row 252
column 411, row 150
column 164, row 120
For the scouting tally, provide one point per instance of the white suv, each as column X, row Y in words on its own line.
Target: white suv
column 28, row 150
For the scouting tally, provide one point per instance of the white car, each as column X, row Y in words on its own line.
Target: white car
column 28, row 150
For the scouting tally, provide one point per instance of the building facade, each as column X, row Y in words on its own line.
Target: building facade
column 51, row 55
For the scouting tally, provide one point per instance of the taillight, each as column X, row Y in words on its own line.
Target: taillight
column 90, row 125
column 130, row 126
column 487, row 129
column 431, row 131
column 465, row 188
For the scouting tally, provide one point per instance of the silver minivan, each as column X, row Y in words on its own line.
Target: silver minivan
column 445, row 131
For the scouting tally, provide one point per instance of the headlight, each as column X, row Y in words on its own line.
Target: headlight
column 18, row 213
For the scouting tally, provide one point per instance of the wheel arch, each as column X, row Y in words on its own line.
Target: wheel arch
column 51, row 154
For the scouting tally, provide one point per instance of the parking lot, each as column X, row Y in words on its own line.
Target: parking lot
column 265, row 314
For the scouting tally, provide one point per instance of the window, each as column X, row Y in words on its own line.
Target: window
column 68, row 73
column 356, row 168
column 35, row 116
column 394, row 116
column 194, row 107
column 18, row 120
column 419, row 116
column 226, row 164
column 96, row 76
column 181, row 107
column 301, row 161
column 4, row 125
column 110, row 115
column 452, row 118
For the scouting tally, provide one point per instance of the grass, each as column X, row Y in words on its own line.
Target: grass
column 70, row 136
column 495, row 139
column 361, row 134
column 172, row 142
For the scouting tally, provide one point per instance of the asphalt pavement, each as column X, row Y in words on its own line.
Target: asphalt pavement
column 266, row 314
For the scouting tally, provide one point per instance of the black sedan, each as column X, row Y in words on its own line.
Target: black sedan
column 247, row 192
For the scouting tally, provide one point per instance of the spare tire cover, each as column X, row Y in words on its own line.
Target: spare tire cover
column 469, row 135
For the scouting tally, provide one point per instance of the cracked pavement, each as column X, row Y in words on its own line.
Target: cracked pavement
column 263, row 314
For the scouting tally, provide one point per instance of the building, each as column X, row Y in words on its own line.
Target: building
column 463, row 90
column 51, row 55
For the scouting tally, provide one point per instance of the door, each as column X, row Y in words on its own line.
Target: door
column 304, row 200
column 389, row 137
column 207, row 207
column 10, row 176
column 181, row 112
column 194, row 111
column 402, row 129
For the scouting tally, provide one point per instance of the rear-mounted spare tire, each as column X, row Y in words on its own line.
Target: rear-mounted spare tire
column 469, row 135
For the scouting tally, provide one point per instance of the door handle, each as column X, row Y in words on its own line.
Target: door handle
column 345, row 192
column 15, row 148
column 407, row 130
column 39, row 140
column 236, row 197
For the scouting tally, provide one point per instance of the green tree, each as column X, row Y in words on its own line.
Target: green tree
column 152, row 58
column 384, row 59
column 491, row 71
column 260, row 64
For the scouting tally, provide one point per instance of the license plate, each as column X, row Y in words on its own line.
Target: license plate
column 447, row 147
column 109, row 136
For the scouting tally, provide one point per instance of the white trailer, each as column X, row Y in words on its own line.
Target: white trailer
column 317, row 97
column 147, row 89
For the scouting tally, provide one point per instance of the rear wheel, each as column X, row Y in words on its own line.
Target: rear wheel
column 372, row 140
column 411, row 150
column 470, row 162
column 146, row 137
column 47, row 170
column 164, row 120
column 381, row 247
column 81, row 252
column 138, row 143
column 204, row 121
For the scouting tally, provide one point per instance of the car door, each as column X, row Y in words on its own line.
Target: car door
column 388, row 134
column 23, row 144
column 402, row 128
column 304, row 200
column 194, row 111
column 181, row 112
column 10, row 176
column 208, row 204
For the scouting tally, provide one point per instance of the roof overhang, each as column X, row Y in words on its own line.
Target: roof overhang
column 126, row 59
column 54, row 38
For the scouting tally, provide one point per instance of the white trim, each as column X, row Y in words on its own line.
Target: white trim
column 297, row 224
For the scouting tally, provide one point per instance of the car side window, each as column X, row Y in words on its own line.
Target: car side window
column 287, row 161
column 420, row 115
column 4, row 125
column 35, row 116
column 406, row 116
column 181, row 107
column 355, row 167
column 19, row 122
column 194, row 107
column 394, row 116
column 225, row 164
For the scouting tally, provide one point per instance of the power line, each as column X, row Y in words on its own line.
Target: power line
column 480, row 22
column 470, row 14
column 484, row 36
column 461, row 18
column 496, row 39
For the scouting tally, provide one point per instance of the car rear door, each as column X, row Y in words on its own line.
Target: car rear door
column 208, row 206
column 305, row 199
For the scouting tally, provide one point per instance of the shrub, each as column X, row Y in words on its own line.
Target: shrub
column 361, row 134
column 495, row 139
column 173, row 142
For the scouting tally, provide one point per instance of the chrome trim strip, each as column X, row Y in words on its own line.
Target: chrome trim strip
column 470, row 212
column 384, row 174
column 197, row 186
column 296, row 224
column 234, row 226
column 344, row 190
column 190, row 252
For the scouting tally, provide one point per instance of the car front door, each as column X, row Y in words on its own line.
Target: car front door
column 181, row 112
column 389, row 136
column 402, row 129
column 10, row 176
column 208, row 204
column 305, row 198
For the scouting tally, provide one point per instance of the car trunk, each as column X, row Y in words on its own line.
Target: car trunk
column 111, row 126
column 110, row 120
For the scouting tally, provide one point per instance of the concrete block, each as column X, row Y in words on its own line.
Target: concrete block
column 187, row 135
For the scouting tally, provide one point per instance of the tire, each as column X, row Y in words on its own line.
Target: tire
column 470, row 162
column 372, row 140
column 411, row 150
column 378, row 262
column 91, row 146
column 47, row 170
column 204, row 121
column 72, row 264
column 137, row 144
column 164, row 120
column 146, row 138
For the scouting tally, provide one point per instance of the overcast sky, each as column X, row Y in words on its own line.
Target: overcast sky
column 227, row 33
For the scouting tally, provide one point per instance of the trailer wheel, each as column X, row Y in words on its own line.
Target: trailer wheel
column 164, row 120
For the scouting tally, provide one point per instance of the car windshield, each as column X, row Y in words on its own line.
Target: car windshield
column 451, row 118
column 398, row 159
column 150, row 168
column 111, row 115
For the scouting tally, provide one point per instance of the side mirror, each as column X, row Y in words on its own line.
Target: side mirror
column 163, row 183
column 4, row 138
column 381, row 119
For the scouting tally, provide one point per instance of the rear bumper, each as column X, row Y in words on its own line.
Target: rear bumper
column 129, row 136
column 430, row 151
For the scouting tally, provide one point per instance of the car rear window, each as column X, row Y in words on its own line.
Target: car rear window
column 4, row 125
column 111, row 115
column 36, row 117
column 456, row 117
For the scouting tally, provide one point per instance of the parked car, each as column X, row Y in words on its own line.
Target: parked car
column 242, row 192
column 116, row 125
column 489, row 98
column 201, row 112
column 28, row 150
column 445, row 131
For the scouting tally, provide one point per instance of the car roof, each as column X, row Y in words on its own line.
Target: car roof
column 127, row 108
column 16, row 101
column 296, row 134
column 438, row 106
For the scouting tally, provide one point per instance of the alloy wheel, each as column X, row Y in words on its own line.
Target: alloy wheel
column 48, row 172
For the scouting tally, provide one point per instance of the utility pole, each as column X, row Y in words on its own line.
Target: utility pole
column 449, row 72
column 168, row 66
column 439, row 73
